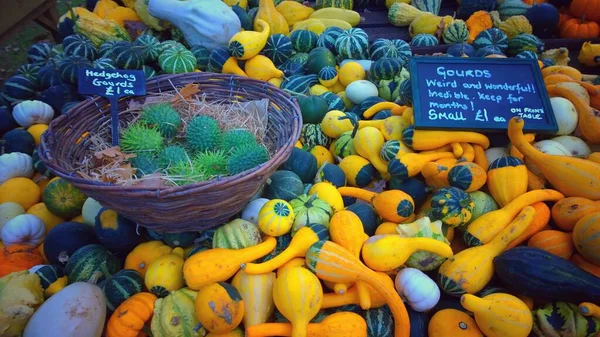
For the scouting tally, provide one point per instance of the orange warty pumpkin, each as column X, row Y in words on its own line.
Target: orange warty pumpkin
column 576, row 28
column 18, row 258
column 554, row 242
column 131, row 316
column 588, row 8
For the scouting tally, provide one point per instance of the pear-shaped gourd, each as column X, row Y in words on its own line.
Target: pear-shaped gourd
column 335, row 123
column 392, row 205
column 219, row 264
column 367, row 143
column 268, row 13
column 574, row 177
column 410, row 164
column 334, row 300
column 298, row 296
column 165, row 273
column 231, row 67
column 339, row 324
column 332, row 262
column 470, row 270
column 262, row 68
column 499, row 315
column 257, row 293
column 389, row 251
column 247, row 44
column 300, row 243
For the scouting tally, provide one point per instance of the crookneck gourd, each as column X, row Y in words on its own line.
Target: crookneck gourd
column 428, row 140
column 367, row 143
column 247, row 44
column 339, row 324
column 574, row 177
column 333, row 300
column 410, row 164
column 392, row 205
column 499, row 315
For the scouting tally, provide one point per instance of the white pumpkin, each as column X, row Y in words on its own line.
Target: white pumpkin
column 78, row 310
column 576, row 146
column 494, row 153
column 565, row 114
column 548, row 147
column 25, row 229
column 576, row 88
column 89, row 211
column 9, row 210
column 15, row 164
column 417, row 289
column 360, row 90
column 250, row 213
column 28, row 113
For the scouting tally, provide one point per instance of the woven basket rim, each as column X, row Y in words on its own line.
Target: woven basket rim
column 277, row 158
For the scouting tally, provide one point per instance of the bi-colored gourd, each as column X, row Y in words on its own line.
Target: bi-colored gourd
column 268, row 13
column 487, row 226
column 436, row 173
column 298, row 296
column 467, row 176
column 219, row 264
column 429, row 140
column 500, row 315
column 247, row 44
column 165, row 273
column 327, row 192
column 388, row 252
column 392, row 205
column 219, row 307
column 276, row 217
column 257, row 293
column 574, row 177
column 144, row 254
column 334, row 300
column 568, row 211
column 335, row 123
column 367, row 143
column 411, row 164
column 339, row 324
column 470, row 270
column 391, row 128
column 304, row 238
column 331, row 262
column 589, row 309
column 452, row 323
column 130, row 317
column 507, row 179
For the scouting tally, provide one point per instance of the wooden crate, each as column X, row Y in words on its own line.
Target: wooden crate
column 15, row 14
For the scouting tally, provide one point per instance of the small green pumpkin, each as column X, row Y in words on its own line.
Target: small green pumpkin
column 309, row 209
column 456, row 32
column 236, row 234
column 344, row 145
column 121, row 286
column 453, row 206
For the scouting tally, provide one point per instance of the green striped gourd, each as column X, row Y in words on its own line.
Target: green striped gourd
column 527, row 54
column 379, row 322
column 291, row 68
column 512, row 8
column 385, row 48
column 79, row 45
column 175, row 315
column 128, row 56
column 385, row 69
column 257, row 293
column 309, row 209
column 525, row 42
column 48, row 274
column 104, row 63
column 390, row 91
column 345, row 4
column 169, row 44
column 328, row 37
column 121, row 286
column 40, row 53
column 424, row 40
column 303, row 41
column 217, row 59
column 236, row 234
column 29, row 70
column 69, row 68
column 344, row 145
column 390, row 149
column 300, row 57
column 278, row 48
column 405, row 96
column 173, row 61
column 299, row 84
column 149, row 46
column 149, row 72
column 334, row 102
column 19, row 88
column 492, row 37
column 92, row 263
column 328, row 76
column 202, row 55
column 106, row 49
column 312, row 134
column 456, row 32
column 353, row 44
column 431, row 6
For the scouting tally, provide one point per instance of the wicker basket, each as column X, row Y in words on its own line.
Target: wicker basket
column 190, row 207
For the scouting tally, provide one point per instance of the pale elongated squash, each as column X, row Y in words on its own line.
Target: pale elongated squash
column 257, row 293
column 268, row 13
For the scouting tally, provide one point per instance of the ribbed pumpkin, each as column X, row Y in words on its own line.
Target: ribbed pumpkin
column 91, row 263
column 453, row 206
column 328, row 37
column 121, row 286
column 507, row 179
column 69, row 68
column 276, row 217
column 177, row 61
column 424, row 40
column 309, row 209
column 79, row 45
column 219, row 307
column 384, row 48
column 492, row 37
column 353, row 44
column 568, row 211
column 165, row 274
column 236, row 234
column 586, row 236
column 128, row 56
column 555, row 242
column 456, row 32
column 278, row 48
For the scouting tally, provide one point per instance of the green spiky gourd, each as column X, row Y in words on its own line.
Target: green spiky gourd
column 203, row 134
column 184, row 173
column 163, row 117
column 246, row 157
column 141, row 138
column 213, row 163
column 172, row 155
column 144, row 164
column 234, row 138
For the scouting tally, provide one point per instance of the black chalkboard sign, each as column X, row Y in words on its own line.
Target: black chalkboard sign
column 112, row 84
column 479, row 94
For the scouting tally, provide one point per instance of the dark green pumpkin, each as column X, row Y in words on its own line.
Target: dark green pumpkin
column 299, row 84
column 453, row 206
column 217, row 59
column 202, row 55
column 48, row 274
column 334, row 101
column 319, row 58
column 17, row 140
column 7, row 122
column 312, row 135
column 19, row 88
column 328, row 37
column 91, row 263
column 385, row 69
column 380, row 322
column 313, row 108
column 333, row 174
column 303, row 163
column 48, row 76
column 278, row 48
column 245, row 19
column 291, row 67
column 79, row 45
column 414, row 187
column 120, row 287
column 65, row 239
column 367, row 215
column 283, row 184
column 69, row 67
column 304, row 40
column 182, row 239
column 117, row 233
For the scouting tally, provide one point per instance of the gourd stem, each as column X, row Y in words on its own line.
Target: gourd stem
column 256, row 252
column 473, row 303
column 337, row 300
column 358, row 193
column 364, row 296
column 518, row 139
column 297, row 248
column 427, row 244
column 589, row 309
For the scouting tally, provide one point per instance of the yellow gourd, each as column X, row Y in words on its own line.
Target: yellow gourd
column 231, row 67
column 334, row 124
column 219, row 264
column 103, row 7
column 389, row 251
column 391, row 128
column 589, row 309
column 313, row 25
column 247, row 44
column 144, row 254
column 122, row 14
column 350, row 16
column 295, row 262
column 294, row 11
column 165, row 273
column 328, row 193
column 268, row 13
column 386, row 228
column 334, row 300
column 479, row 157
column 487, row 226
column 367, row 143
column 468, row 152
column 430, row 140
column 392, row 205
column 507, row 179
column 499, row 315
column 241, row 3
column 257, row 293
column 470, row 270
column 276, row 217
column 410, row 164
column 375, row 108
column 428, row 24
column 339, row 324
column 262, row 68
column 298, row 296
column 277, row 83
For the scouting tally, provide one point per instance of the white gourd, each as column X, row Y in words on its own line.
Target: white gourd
column 9, row 210
column 89, row 211
column 417, row 289
column 28, row 113
column 548, row 147
column 15, row 164
column 565, row 114
column 576, row 146
column 250, row 213
column 25, row 229
column 360, row 90
column 494, row 153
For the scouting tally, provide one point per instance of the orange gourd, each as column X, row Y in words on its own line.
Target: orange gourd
column 480, row 158
column 392, row 205
column 560, row 78
column 586, row 236
column 18, row 257
column 539, row 222
column 574, row 177
column 410, row 164
column 589, row 118
column 499, row 315
column 331, row 262
column 339, row 324
column 453, row 323
column 589, row 309
column 467, row 176
column 477, row 23
column 334, row 300
column 144, row 254
column 436, row 173
column 579, row 28
column 219, row 307
column 386, row 228
column 594, row 156
column 586, row 265
column 554, row 242
column 219, row 264
column 131, row 316
column 568, row 211
column 535, row 182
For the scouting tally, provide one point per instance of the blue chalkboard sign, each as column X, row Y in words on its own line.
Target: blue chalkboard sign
column 112, row 84
column 479, row 94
